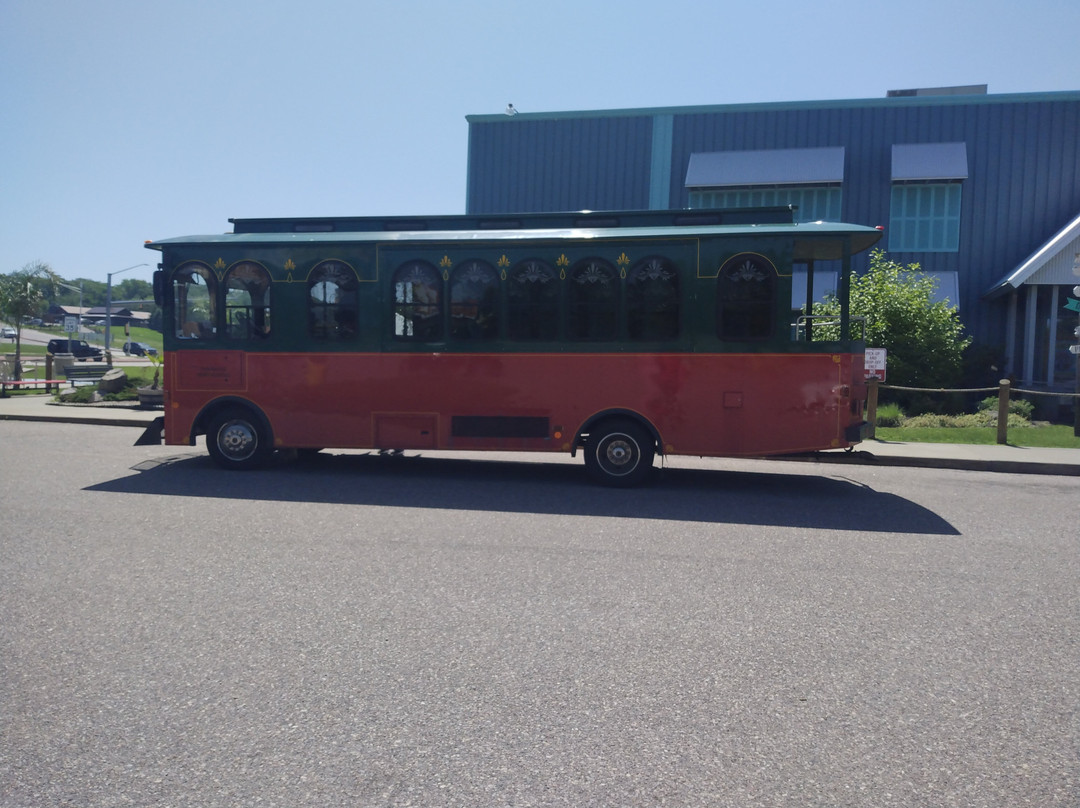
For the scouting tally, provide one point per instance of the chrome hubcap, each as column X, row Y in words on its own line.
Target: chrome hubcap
column 237, row 440
column 619, row 452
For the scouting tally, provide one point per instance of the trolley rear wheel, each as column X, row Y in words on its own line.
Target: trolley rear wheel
column 619, row 453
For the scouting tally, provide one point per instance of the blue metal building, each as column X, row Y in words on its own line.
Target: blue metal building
column 981, row 190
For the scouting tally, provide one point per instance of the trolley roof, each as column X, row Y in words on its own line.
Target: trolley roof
column 813, row 241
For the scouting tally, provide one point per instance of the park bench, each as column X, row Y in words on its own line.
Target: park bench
column 86, row 373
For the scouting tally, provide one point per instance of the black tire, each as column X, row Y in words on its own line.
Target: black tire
column 237, row 439
column 619, row 453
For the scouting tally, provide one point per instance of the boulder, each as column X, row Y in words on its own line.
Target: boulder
column 113, row 381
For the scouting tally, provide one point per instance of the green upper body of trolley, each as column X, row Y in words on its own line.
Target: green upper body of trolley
column 697, row 250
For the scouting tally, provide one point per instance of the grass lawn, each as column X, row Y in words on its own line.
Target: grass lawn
column 1054, row 436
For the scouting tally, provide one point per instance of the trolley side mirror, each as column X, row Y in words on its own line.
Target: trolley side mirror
column 159, row 288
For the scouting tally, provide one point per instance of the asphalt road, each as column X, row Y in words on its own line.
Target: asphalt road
column 370, row 631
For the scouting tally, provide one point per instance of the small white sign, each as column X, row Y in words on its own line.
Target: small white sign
column 874, row 364
column 71, row 324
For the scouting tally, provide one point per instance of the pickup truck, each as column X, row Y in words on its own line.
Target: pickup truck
column 80, row 348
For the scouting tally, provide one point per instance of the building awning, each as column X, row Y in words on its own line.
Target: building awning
column 1051, row 264
column 768, row 167
column 914, row 162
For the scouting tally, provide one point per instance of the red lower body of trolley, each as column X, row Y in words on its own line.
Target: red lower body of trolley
column 746, row 404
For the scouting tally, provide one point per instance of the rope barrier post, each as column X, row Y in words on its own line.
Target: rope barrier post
column 1003, row 411
column 871, row 407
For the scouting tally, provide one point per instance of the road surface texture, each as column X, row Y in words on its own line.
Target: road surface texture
column 368, row 631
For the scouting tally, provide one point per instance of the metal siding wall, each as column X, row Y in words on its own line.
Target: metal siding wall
column 1023, row 165
column 600, row 163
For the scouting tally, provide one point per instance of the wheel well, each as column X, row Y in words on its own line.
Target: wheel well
column 211, row 410
column 594, row 421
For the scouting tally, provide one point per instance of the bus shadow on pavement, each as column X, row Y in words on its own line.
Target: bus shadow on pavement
column 750, row 497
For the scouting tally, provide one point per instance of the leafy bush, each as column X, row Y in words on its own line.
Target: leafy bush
column 1017, row 406
column 889, row 415
column 925, row 338
column 981, row 419
column 88, row 394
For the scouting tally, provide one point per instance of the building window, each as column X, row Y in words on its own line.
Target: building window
column 474, row 302
column 813, row 203
column 925, row 217
column 593, row 301
column 532, row 302
column 194, row 301
column 417, row 302
column 247, row 301
column 332, row 301
column 652, row 300
column 746, row 298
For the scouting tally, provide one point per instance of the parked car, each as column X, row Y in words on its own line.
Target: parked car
column 7, row 332
column 139, row 349
column 80, row 348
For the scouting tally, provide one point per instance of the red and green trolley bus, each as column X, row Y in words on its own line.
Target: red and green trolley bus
column 621, row 334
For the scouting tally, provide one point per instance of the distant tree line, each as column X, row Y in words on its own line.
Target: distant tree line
column 94, row 292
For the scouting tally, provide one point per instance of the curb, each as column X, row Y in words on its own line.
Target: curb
column 861, row 458
column 95, row 420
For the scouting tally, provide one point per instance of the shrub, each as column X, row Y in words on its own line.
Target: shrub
column 1017, row 406
column 889, row 415
column 982, row 419
column 88, row 394
column 925, row 338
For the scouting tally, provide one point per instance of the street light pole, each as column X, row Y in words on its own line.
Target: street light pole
column 108, row 309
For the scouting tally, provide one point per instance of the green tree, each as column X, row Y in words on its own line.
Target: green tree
column 133, row 289
column 21, row 296
column 924, row 338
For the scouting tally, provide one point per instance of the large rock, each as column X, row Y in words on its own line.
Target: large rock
column 113, row 381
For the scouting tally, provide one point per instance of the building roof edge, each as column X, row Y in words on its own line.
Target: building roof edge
column 766, row 106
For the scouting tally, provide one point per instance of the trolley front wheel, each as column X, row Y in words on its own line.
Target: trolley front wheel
column 237, row 439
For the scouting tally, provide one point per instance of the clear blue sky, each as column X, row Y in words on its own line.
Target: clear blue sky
column 128, row 120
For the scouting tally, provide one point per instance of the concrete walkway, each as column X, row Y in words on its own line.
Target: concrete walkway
column 1011, row 459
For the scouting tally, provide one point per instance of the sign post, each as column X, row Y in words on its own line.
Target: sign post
column 71, row 326
column 874, row 372
column 1075, row 349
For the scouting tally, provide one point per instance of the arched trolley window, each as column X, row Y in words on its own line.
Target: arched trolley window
column 532, row 302
column 474, row 302
column 652, row 300
column 593, row 295
column 247, row 301
column 746, row 298
column 194, row 294
column 418, row 302
column 333, row 309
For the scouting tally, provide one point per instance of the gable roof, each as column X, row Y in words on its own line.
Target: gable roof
column 1053, row 263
